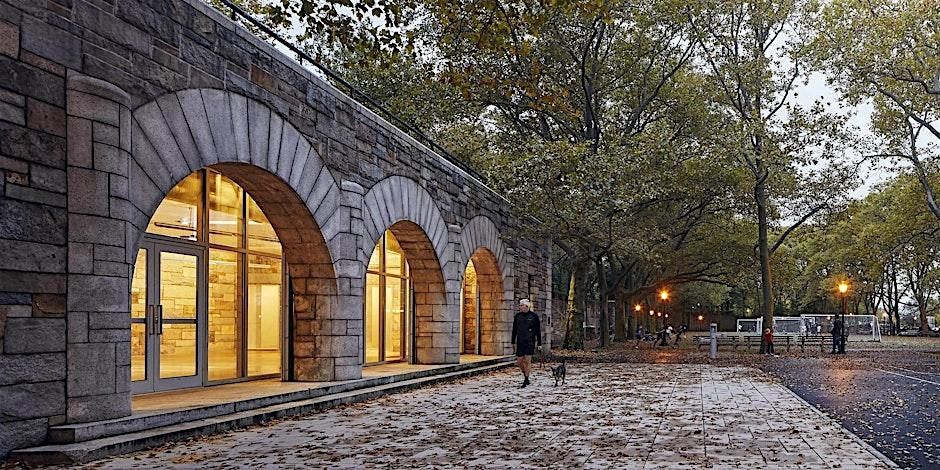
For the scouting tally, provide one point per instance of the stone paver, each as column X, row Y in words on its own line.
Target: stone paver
column 611, row 415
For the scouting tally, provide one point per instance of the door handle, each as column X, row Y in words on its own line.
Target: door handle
column 158, row 319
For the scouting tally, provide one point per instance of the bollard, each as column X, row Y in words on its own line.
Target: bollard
column 713, row 331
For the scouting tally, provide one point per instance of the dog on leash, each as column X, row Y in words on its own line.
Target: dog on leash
column 558, row 373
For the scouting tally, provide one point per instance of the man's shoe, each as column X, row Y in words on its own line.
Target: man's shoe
column 526, row 382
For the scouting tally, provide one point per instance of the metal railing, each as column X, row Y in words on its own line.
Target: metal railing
column 354, row 92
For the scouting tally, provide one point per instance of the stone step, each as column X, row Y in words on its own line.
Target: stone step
column 81, row 432
column 114, row 442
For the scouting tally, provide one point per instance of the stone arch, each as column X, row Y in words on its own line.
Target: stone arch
column 183, row 132
column 400, row 205
column 481, row 232
column 176, row 135
column 481, row 243
column 398, row 198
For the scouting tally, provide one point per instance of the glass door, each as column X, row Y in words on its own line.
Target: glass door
column 167, row 308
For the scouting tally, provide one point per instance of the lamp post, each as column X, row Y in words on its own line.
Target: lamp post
column 636, row 320
column 843, row 290
column 663, row 298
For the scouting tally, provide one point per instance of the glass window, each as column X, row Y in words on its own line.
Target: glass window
column 178, row 350
column 178, row 281
column 264, row 315
column 138, row 318
column 372, row 326
column 225, row 211
column 178, row 214
column 178, row 294
column 386, row 302
column 394, row 256
column 394, row 317
column 261, row 235
column 138, row 351
column 225, row 305
column 139, row 286
column 375, row 261
column 243, row 285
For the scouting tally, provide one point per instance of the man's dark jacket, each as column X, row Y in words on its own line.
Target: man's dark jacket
column 526, row 329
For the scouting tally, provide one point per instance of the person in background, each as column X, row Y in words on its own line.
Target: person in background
column 769, row 341
column 836, row 332
column 679, row 331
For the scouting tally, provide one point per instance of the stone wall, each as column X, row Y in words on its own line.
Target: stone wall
column 105, row 106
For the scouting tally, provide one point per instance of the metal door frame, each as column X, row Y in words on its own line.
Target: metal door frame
column 153, row 318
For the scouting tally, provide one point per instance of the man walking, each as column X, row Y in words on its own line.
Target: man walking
column 526, row 335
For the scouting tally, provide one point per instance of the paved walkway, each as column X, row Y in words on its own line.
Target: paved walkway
column 613, row 415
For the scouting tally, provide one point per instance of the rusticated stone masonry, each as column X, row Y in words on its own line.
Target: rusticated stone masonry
column 105, row 106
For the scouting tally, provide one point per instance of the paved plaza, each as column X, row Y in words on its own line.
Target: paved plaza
column 607, row 415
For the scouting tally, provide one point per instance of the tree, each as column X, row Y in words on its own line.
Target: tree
column 371, row 27
column 887, row 51
column 751, row 52
column 570, row 90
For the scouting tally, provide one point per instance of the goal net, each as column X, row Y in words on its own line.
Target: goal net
column 858, row 327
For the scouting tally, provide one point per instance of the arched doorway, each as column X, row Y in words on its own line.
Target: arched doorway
column 208, row 292
column 406, row 316
column 482, row 306
column 388, row 300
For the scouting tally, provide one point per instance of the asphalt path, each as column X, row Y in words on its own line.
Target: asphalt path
column 889, row 399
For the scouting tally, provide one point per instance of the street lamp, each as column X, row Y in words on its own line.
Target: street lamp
column 663, row 298
column 843, row 291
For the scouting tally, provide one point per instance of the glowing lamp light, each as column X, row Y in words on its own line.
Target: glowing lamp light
column 659, row 314
column 652, row 312
column 664, row 294
column 843, row 287
column 638, row 307
column 700, row 318
column 667, row 315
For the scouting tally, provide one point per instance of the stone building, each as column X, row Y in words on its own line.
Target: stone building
column 182, row 205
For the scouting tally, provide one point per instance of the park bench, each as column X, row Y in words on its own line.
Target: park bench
column 815, row 341
column 780, row 341
column 702, row 341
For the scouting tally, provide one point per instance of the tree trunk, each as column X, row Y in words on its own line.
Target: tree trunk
column 621, row 320
column 574, row 327
column 604, row 324
column 763, row 246
column 922, row 311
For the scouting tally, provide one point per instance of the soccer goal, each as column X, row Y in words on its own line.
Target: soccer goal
column 750, row 325
column 858, row 327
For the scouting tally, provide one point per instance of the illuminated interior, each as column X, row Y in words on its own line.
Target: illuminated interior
column 207, row 240
column 470, row 315
column 387, row 301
